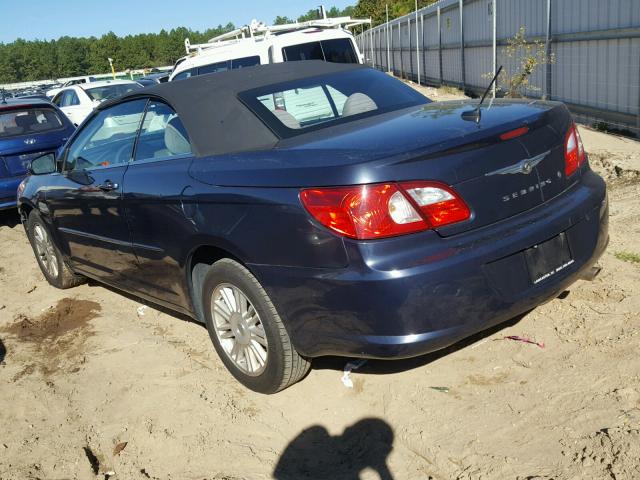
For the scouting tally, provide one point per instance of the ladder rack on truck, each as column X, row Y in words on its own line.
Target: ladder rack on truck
column 259, row 31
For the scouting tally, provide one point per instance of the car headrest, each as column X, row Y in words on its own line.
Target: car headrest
column 24, row 121
column 286, row 118
column 176, row 138
column 358, row 103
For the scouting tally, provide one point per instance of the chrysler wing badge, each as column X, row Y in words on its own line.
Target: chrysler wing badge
column 525, row 166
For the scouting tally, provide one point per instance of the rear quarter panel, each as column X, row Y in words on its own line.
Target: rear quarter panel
column 262, row 226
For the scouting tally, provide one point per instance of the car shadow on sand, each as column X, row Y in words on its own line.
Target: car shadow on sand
column 381, row 367
column 3, row 351
column 181, row 316
column 9, row 218
column 314, row 454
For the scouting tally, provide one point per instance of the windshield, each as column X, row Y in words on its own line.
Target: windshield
column 28, row 121
column 309, row 104
column 110, row 91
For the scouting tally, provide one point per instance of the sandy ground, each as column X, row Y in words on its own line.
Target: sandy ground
column 90, row 387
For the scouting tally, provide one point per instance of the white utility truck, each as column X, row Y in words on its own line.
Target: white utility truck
column 257, row 43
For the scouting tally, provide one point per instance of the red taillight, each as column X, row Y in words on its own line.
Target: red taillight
column 439, row 204
column 363, row 211
column 367, row 212
column 22, row 186
column 573, row 151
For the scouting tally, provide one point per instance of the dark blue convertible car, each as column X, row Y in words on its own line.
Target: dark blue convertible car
column 307, row 209
column 29, row 127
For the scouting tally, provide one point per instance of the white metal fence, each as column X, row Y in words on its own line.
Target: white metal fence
column 596, row 44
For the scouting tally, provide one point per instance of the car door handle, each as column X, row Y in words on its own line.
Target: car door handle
column 108, row 186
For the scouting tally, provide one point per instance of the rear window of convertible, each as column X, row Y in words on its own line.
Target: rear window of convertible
column 296, row 107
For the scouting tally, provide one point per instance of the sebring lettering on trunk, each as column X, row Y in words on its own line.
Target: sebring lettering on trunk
column 526, row 191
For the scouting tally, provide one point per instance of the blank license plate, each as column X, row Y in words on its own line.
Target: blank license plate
column 548, row 258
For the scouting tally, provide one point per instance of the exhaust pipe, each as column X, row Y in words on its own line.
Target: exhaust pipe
column 591, row 274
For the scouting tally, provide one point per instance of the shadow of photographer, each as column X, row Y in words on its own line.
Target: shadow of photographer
column 314, row 454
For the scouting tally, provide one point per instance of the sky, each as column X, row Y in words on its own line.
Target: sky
column 46, row 20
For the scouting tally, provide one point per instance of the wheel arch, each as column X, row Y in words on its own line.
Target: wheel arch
column 24, row 209
column 205, row 253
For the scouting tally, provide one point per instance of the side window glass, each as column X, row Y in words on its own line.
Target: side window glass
column 162, row 134
column 65, row 98
column 57, row 100
column 245, row 62
column 73, row 98
column 184, row 75
column 108, row 138
column 214, row 68
column 69, row 98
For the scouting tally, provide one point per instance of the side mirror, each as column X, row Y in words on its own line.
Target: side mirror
column 43, row 164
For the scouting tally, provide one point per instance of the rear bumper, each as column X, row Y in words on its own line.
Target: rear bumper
column 411, row 295
column 8, row 191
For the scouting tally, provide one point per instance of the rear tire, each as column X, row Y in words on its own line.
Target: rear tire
column 247, row 331
column 48, row 254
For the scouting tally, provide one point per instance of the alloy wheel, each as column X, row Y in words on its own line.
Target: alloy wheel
column 45, row 250
column 239, row 329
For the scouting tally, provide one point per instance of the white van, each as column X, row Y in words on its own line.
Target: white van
column 324, row 39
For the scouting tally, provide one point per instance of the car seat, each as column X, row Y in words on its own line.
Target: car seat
column 176, row 140
column 25, row 122
column 286, row 118
column 358, row 103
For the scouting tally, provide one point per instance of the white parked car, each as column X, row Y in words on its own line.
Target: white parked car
column 78, row 101
column 257, row 44
column 74, row 81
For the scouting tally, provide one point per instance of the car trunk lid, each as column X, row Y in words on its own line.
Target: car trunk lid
column 16, row 153
column 431, row 142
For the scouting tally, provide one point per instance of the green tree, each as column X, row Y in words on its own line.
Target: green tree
column 312, row 14
column 282, row 20
column 24, row 60
column 376, row 9
column 107, row 46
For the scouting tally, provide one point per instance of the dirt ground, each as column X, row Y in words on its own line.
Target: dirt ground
column 95, row 385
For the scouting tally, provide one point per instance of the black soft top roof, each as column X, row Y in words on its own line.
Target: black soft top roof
column 209, row 107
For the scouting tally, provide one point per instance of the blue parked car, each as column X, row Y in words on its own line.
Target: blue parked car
column 29, row 127
column 307, row 208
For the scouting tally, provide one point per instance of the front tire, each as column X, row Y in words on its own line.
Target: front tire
column 48, row 255
column 247, row 331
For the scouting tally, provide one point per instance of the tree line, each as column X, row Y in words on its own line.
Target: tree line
column 25, row 60
column 374, row 9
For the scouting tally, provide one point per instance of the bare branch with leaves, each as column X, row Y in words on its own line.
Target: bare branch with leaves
column 527, row 56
